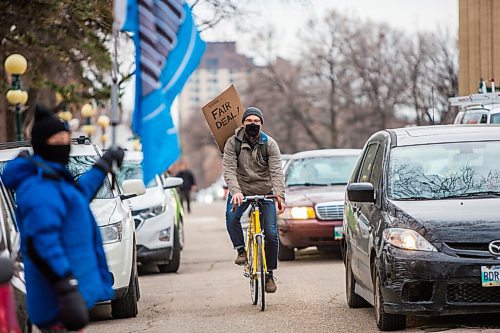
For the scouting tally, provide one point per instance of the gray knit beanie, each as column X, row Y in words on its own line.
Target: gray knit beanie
column 252, row 111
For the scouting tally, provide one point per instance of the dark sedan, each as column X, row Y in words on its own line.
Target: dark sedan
column 315, row 183
column 422, row 223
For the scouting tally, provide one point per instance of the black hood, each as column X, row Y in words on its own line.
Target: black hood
column 469, row 220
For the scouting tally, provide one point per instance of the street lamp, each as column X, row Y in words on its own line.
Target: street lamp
column 64, row 114
column 87, row 113
column 15, row 65
column 103, row 122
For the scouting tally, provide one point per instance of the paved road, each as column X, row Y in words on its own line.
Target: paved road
column 210, row 294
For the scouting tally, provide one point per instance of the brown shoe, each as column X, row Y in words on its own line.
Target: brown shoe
column 270, row 285
column 241, row 259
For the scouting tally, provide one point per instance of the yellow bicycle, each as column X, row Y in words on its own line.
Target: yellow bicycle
column 256, row 267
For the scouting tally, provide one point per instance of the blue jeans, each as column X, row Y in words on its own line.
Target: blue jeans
column 268, row 222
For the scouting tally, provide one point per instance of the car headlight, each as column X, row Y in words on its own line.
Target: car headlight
column 407, row 239
column 111, row 233
column 152, row 212
column 299, row 213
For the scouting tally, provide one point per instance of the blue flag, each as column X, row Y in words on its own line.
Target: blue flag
column 168, row 49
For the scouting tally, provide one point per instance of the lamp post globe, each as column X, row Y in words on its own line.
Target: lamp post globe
column 15, row 97
column 87, row 111
column 103, row 121
column 16, row 64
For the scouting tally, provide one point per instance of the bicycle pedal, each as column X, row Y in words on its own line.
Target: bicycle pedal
column 246, row 274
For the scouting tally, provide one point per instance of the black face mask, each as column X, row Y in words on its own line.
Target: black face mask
column 54, row 153
column 252, row 130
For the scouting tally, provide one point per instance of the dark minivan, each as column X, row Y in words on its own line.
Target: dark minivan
column 422, row 223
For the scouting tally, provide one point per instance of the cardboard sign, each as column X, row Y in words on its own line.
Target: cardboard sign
column 223, row 115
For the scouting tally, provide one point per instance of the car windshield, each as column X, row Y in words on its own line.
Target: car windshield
column 495, row 118
column 320, row 171
column 80, row 164
column 440, row 171
column 132, row 170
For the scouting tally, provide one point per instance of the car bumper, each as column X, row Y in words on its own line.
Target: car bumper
column 433, row 283
column 303, row 233
column 161, row 256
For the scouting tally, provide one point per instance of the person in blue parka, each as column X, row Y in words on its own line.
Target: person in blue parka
column 65, row 265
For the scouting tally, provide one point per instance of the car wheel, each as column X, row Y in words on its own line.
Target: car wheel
column 173, row 265
column 354, row 301
column 126, row 307
column 386, row 321
column 285, row 253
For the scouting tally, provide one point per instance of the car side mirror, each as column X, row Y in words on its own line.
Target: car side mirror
column 132, row 188
column 361, row 192
column 6, row 270
column 172, row 182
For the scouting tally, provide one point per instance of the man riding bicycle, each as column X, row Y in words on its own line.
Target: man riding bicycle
column 252, row 166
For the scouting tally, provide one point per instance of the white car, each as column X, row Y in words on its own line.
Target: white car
column 114, row 219
column 482, row 108
column 157, row 217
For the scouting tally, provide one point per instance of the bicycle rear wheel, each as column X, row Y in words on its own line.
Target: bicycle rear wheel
column 261, row 273
column 254, row 291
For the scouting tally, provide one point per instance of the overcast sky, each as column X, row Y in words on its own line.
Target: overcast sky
column 287, row 17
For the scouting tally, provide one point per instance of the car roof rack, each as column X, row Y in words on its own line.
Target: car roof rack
column 81, row 140
column 475, row 99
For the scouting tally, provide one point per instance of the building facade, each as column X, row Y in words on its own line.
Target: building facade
column 479, row 43
column 220, row 67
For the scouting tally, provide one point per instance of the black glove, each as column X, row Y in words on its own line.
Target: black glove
column 72, row 309
column 114, row 154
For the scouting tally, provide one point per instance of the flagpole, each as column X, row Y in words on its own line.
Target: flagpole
column 114, row 90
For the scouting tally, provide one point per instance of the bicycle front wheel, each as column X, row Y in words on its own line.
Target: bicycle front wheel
column 261, row 273
column 254, row 291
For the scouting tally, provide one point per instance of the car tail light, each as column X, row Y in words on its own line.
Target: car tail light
column 8, row 319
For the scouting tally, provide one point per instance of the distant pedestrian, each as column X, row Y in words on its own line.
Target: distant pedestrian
column 65, row 265
column 188, row 186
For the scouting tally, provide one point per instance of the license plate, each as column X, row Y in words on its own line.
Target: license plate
column 490, row 276
column 337, row 233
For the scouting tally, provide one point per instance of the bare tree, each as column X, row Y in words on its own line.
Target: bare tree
column 432, row 77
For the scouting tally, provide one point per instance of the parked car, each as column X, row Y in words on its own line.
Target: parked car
column 315, row 182
column 421, row 223
column 12, row 283
column 8, row 319
column 284, row 160
column 477, row 108
column 114, row 219
column 483, row 114
column 158, row 219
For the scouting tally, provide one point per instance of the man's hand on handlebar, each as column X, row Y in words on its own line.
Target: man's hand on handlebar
column 280, row 206
column 237, row 199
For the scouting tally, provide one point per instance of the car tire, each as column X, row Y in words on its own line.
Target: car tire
column 173, row 265
column 285, row 253
column 354, row 301
column 126, row 307
column 385, row 321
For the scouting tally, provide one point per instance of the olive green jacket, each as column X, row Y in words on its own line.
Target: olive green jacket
column 251, row 173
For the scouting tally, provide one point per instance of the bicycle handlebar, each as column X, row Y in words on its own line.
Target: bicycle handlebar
column 256, row 198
